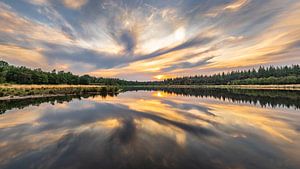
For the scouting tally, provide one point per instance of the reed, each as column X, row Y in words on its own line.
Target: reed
column 44, row 90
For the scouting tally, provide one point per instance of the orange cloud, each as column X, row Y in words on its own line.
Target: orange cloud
column 19, row 55
column 12, row 23
column 74, row 4
column 263, row 48
column 234, row 6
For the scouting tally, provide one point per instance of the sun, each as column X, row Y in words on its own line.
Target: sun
column 180, row 34
column 160, row 77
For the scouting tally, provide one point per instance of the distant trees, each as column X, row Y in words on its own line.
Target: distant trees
column 85, row 79
column 23, row 75
column 262, row 75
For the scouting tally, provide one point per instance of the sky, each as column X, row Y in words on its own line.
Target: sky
column 149, row 39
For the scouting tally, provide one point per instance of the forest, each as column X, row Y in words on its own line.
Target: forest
column 261, row 76
column 23, row 75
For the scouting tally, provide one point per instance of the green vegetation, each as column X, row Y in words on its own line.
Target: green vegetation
column 268, row 80
column 22, row 75
column 27, row 90
column 262, row 76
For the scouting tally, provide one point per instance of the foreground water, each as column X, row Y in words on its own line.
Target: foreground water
column 153, row 129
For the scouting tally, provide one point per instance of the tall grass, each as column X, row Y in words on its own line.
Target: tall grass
column 28, row 90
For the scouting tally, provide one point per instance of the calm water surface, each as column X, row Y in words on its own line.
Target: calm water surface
column 152, row 129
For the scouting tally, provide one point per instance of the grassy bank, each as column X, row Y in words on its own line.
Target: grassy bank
column 27, row 91
column 36, row 91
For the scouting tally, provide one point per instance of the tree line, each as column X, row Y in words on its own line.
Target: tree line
column 262, row 75
column 24, row 75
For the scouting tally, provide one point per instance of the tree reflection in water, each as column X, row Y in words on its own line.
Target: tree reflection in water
column 160, row 129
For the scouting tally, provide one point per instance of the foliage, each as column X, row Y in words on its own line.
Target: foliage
column 22, row 75
column 263, row 76
column 55, row 90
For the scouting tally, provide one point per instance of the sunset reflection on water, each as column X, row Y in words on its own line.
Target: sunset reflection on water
column 152, row 129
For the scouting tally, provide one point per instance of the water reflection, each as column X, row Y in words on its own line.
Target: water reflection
column 263, row 97
column 149, row 130
column 22, row 103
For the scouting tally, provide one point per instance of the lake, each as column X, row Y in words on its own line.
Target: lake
column 153, row 128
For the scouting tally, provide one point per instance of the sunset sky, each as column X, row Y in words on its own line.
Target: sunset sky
column 149, row 39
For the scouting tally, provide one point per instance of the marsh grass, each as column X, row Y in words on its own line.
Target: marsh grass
column 31, row 90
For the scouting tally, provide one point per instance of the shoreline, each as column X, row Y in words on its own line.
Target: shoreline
column 43, row 91
column 32, row 96
column 17, row 92
column 38, row 86
column 295, row 87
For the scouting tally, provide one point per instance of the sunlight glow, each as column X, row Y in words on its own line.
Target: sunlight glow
column 146, row 41
column 160, row 77
column 180, row 34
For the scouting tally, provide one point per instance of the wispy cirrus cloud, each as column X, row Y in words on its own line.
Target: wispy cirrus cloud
column 228, row 7
column 74, row 4
column 141, row 39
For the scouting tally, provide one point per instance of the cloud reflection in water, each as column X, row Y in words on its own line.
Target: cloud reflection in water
column 149, row 130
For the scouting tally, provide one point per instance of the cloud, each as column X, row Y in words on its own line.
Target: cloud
column 74, row 4
column 188, row 65
column 129, row 41
column 272, row 45
column 26, row 30
column 236, row 5
column 189, row 43
column 22, row 56
column 38, row 2
column 142, row 39
column 231, row 7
